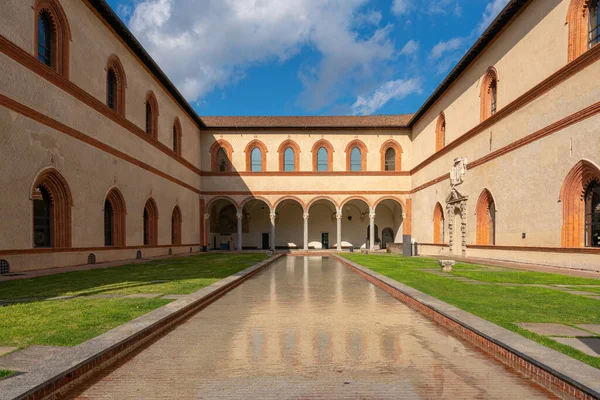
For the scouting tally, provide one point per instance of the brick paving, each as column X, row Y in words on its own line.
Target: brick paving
column 309, row 328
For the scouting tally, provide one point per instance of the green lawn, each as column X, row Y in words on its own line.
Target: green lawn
column 502, row 305
column 5, row 374
column 70, row 322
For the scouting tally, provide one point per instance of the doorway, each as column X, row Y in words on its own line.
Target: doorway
column 325, row 240
column 265, row 241
column 387, row 236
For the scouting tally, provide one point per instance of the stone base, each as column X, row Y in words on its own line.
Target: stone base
column 446, row 265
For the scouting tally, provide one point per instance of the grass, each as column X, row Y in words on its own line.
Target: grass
column 73, row 321
column 5, row 373
column 502, row 305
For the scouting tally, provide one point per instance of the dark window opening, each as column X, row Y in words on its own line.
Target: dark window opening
column 355, row 160
column 111, row 89
column 256, row 160
column 42, row 210
column 390, row 159
column 109, row 216
column 494, row 92
column 45, row 39
column 289, row 164
column 175, row 139
column 492, row 216
column 592, row 215
column 222, row 160
column 149, row 126
column 146, row 227
column 594, row 24
column 322, row 159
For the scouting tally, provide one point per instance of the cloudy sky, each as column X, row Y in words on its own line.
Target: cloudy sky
column 307, row 57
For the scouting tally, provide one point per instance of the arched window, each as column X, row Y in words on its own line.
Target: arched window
column 440, row 132
column 489, row 94
column 391, row 156
column 52, row 36
column 220, row 156
column 438, row 224
column 115, row 85
column 584, row 27
column 176, row 226
column 151, row 115
column 592, row 215
column 322, row 154
column 580, row 196
column 177, row 136
column 256, row 160
column 256, row 156
column 289, row 160
column 289, row 156
column 356, row 156
column 114, row 219
column 150, row 223
column 52, row 204
column 355, row 160
column 486, row 219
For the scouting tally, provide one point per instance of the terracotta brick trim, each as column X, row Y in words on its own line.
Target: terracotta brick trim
column 572, row 197
column 292, row 198
column 259, row 198
column 289, row 144
column 114, row 65
column 363, row 154
column 484, row 223
column 577, row 19
column 554, row 381
column 566, row 250
column 440, row 132
column 256, row 144
column 61, row 35
column 434, row 244
column 393, row 198
column 489, row 81
column 73, row 250
column 151, row 234
column 214, row 149
column 308, row 173
column 391, row 143
column 315, row 154
column 438, row 223
column 176, row 222
column 329, row 199
column 31, row 63
column 360, row 198
column 51, row 123
column 119, row 227
column 61, row 202
column 211, row 203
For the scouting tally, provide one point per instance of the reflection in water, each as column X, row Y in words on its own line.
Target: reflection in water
column 309, row 327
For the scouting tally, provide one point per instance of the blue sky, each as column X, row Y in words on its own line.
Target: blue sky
column 307, row 57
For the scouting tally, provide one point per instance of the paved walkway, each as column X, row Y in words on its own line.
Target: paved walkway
column 308, row 327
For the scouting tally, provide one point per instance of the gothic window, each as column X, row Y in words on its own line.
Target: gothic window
column 289, row 162
column 41, row 218
column 52, row 204
column 256, row 160
column 108, row 224
column 355, row 160
column 322, row 159
column 390, row 159
column 440, row 132
column 44, row 38
column 594, row 24
column 151, row 115
column 592, row 215
column 111, row 89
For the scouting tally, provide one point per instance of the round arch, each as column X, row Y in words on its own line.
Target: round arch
column 486, row 218
column 349, row 199
column 211, row 202
column 61, row 202
column 292, row 198
column 249, row 199
column 214, row 149
column 119, row 216
column 289, row 143
column 316, row 199
column 315, row 150
column 391, row 143
column 396, row 199
column 489, row 80
column 263, row 151
column 62, row 32
column 363, row 154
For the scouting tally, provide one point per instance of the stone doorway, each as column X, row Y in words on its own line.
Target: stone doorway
column 456, row 208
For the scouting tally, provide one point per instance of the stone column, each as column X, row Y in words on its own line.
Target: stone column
column 305, row 216
column 273, row 216
column 372, row 230
column 338, row 216
column 240, row 216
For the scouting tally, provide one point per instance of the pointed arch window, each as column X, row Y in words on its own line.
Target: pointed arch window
column 176, row 226
column 220, row 156
column 52, row 36
column 592, row 214
column 256, row 160
column 114, row 219
column 150, row 223
column 438, row 224
column 391, row 156
column 177, row 136
column 52, row 204
column 289, row 160
column 390, row 159
column 356, row 156
column 41, row 218
column 256, row 156
column 111, row 89
column 355, row 160
column 322, row 157
column 115, row 85
column 593, row 24
column 289, row 156
column 440, row 133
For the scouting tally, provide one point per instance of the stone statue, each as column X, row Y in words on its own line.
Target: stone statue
column 459, row 170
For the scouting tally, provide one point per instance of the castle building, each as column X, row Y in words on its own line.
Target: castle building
column 103, row 159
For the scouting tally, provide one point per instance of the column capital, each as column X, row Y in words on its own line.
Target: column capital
column 305, row 216
column 338, row 215
column 272, row 215
column 239, row 215
column 206, row 217
column 372, row 215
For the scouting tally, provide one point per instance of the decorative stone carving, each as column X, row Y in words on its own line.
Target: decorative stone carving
column 305, row 215
column 273, row 215
column 457, row 201
column 446, row 265
column 372, row 215
column 206, row 217
column 239, row 215
column 364, row 251
column 458, row 172
column 338, row 215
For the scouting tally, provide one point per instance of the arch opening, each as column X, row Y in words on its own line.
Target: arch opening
column 389, row 214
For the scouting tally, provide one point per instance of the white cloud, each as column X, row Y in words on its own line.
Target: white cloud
column 397, row 89
column 491, row 12
column 372, row 17
column 410, row 48
column 446, row 46
column 401, row 7
column 211, row 45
